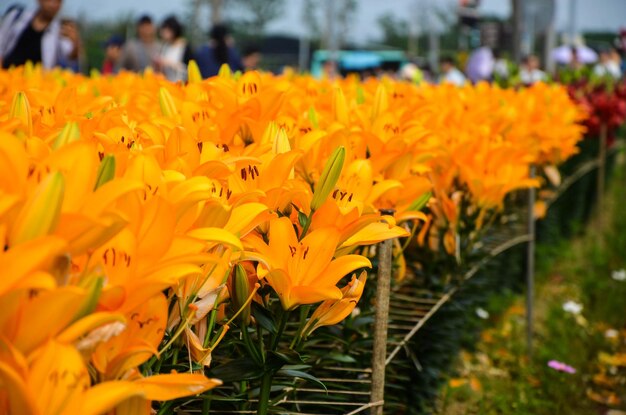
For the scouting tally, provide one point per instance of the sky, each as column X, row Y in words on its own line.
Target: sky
column 591, row 14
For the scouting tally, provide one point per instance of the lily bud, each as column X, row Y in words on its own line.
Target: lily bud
column 41, row 213
column 224, row 71
column 193, row 73
column 69, row 134
column 381, row 101
column 270, row 132
column 313, row 117
column 241, row 292
column 20, row 109
column 166, row 102
column 281, row 142
column 330, row 176
column 106, row 171
column 331, row 312
column 340, row 107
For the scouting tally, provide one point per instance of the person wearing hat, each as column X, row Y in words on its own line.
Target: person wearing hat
column 142, row 52
column 112, row 53
column 38, row 36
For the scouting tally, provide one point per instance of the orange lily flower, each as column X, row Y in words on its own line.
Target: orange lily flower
column 331, row 312
column 304, row 272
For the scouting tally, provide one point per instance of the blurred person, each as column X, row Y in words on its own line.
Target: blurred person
column 480, row 65
column 38, row 36
column 529, row 70
column 607, row 66
column 450, row 73
column 501, row 66
column 142, row 52
column 618, row 61
column 112, row 53
column 251, row 58
column 330, row 70
column 175, row 52
column 220, row 50
column 427, row 71
column 412, row 73
column 576, row 63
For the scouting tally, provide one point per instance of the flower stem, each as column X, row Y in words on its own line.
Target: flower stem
column 281, row 327
column 259, row 333
column 206, row 404
column 304, row 312
column 307, row 224
column 210, row 327
column 252, row 350
column 264, row 397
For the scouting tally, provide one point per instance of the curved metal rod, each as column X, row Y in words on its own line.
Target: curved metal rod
column 585, row 168
column 367, row 406
column 469, row 274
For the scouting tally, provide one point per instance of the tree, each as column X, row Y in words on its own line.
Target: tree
column 517, row 17
column 346, row 10
column 329, row 21
column 395, row 30
column 260, row 13
column 197, row 18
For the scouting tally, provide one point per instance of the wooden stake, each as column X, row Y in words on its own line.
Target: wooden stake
column 383, row 287
column 601, row 174
column 530, row 265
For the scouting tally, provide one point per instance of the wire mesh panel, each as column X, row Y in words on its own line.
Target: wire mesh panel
column 338, row 360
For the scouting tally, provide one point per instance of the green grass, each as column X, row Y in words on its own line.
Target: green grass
column 499, row 378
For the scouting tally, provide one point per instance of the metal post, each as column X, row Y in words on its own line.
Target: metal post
column 601, row 174
column 383, row 287
column 572, row 20
column 530, row 265
column 216, row 11
column 550, row 39
column 303, row 54
column 433, row 52
column 518, row 22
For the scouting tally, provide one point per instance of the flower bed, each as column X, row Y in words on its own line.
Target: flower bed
column 159, row 237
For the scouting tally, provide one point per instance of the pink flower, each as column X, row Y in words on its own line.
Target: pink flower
column 561, row 367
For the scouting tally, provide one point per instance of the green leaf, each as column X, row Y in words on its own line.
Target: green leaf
column 420, row 202
column 94, row 288
column 343, row 358
column 296, row 367
column 301, row 375
column 302, row 219
column 237, row 370
column 264, row 318
column 288, row 356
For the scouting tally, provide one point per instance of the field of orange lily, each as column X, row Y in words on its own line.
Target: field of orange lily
column 146, row 225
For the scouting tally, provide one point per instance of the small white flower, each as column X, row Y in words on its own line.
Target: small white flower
column 573, row 307
column 482, row 313
column 611, row 333
column 619, row 275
